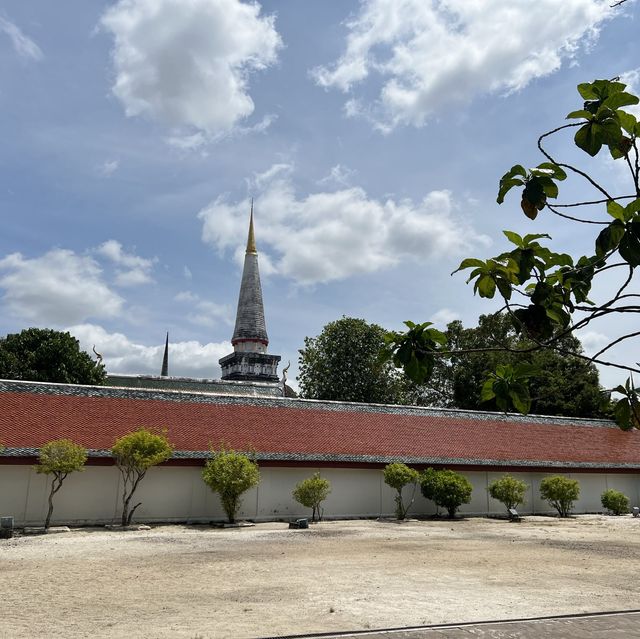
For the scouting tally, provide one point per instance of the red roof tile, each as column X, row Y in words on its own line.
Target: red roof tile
column 309, row 430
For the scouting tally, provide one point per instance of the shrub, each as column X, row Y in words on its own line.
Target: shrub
column 446, row 488
column 134, row 454
column 230, row 474
column 615, row 501
column 397, row 476
column 509, row 491
column 59, row 458
column 560, row 492
column 311, row 492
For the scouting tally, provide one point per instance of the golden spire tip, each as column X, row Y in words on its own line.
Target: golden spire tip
column 251, row 240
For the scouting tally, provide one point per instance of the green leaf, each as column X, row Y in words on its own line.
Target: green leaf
column 486, row 286
column 534, row 193
column 582, row 113
column 520, row 399
column 530, row 237
column 526, row 370
column 556, row 171
column 632, row 208
column 622, row 413
column 630, row 245
column 487, row 394
column 586, row 91
column 609, row 238
column 505, row 288
column 621, row 99
column 627, row 121
column 514, row 238
column 469, row 262
column 589, row 139
column 616, row 210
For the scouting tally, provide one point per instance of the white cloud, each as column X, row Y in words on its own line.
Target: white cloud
column 430, row 54
column 57, row 288
column 25, row 47
column 632, row 79
column 132, row 269
column 592, row 341
column 187, row 63
column 332, row 235
column 108, row 168
column 186, row 271
column 443, row 317
column 205, row 313
column 121, row 355
column 338, row 175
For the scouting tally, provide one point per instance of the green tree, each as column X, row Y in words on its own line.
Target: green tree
column 342, row 364
column 397, row 476
column 311, row 492
column 45, row 355
column 615, row 501
column 230, row 473
column 59, row 458
column 134, row 454
column 560, row 492
column 446, row 489
column 509, row 491
column 550, row 295
column 562, row 384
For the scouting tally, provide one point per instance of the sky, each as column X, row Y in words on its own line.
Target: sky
column 371, row 134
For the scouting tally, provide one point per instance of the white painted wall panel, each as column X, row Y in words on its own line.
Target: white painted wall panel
column 179, row 494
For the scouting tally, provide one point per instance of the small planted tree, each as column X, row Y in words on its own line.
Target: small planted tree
column 446, row 489
column 134, row 454
column 311, row 492
column 560, row 492
column 397, row 476
column 509, row 491
column 615, row 502
column 230, row 473
column 58, row 458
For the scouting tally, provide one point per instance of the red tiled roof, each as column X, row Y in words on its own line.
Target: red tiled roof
column 295, row 429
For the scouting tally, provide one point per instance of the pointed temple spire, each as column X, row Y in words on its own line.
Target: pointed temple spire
column 250, row 327
column 165, row 359
column 249, row 360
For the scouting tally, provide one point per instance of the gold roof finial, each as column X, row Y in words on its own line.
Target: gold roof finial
column 251, row 240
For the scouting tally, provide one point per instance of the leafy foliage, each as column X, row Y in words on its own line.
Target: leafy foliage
column 397, row 476
column 230, row 473
column 615, row 501
column 134, row 454
column 446, row 489
column 560, row 492
column 342, row 363
column 45, row 355
column 547, row 294
column 508, row 491
column 311, row 492
column 59, row 458
column 563, row 384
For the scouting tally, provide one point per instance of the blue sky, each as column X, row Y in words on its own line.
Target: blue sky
column 371, row 134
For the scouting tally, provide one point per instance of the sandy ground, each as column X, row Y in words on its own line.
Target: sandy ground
column 205, row 583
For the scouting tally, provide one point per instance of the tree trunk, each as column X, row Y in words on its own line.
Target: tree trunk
column 56, row 483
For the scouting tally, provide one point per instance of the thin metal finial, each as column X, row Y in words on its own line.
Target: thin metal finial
column 251, row 239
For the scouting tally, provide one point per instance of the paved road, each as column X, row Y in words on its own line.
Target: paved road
column 610, row 626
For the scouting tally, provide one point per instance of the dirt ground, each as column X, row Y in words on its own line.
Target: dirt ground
column 208, row 583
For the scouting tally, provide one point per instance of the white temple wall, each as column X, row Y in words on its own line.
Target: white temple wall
column 177, row 493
